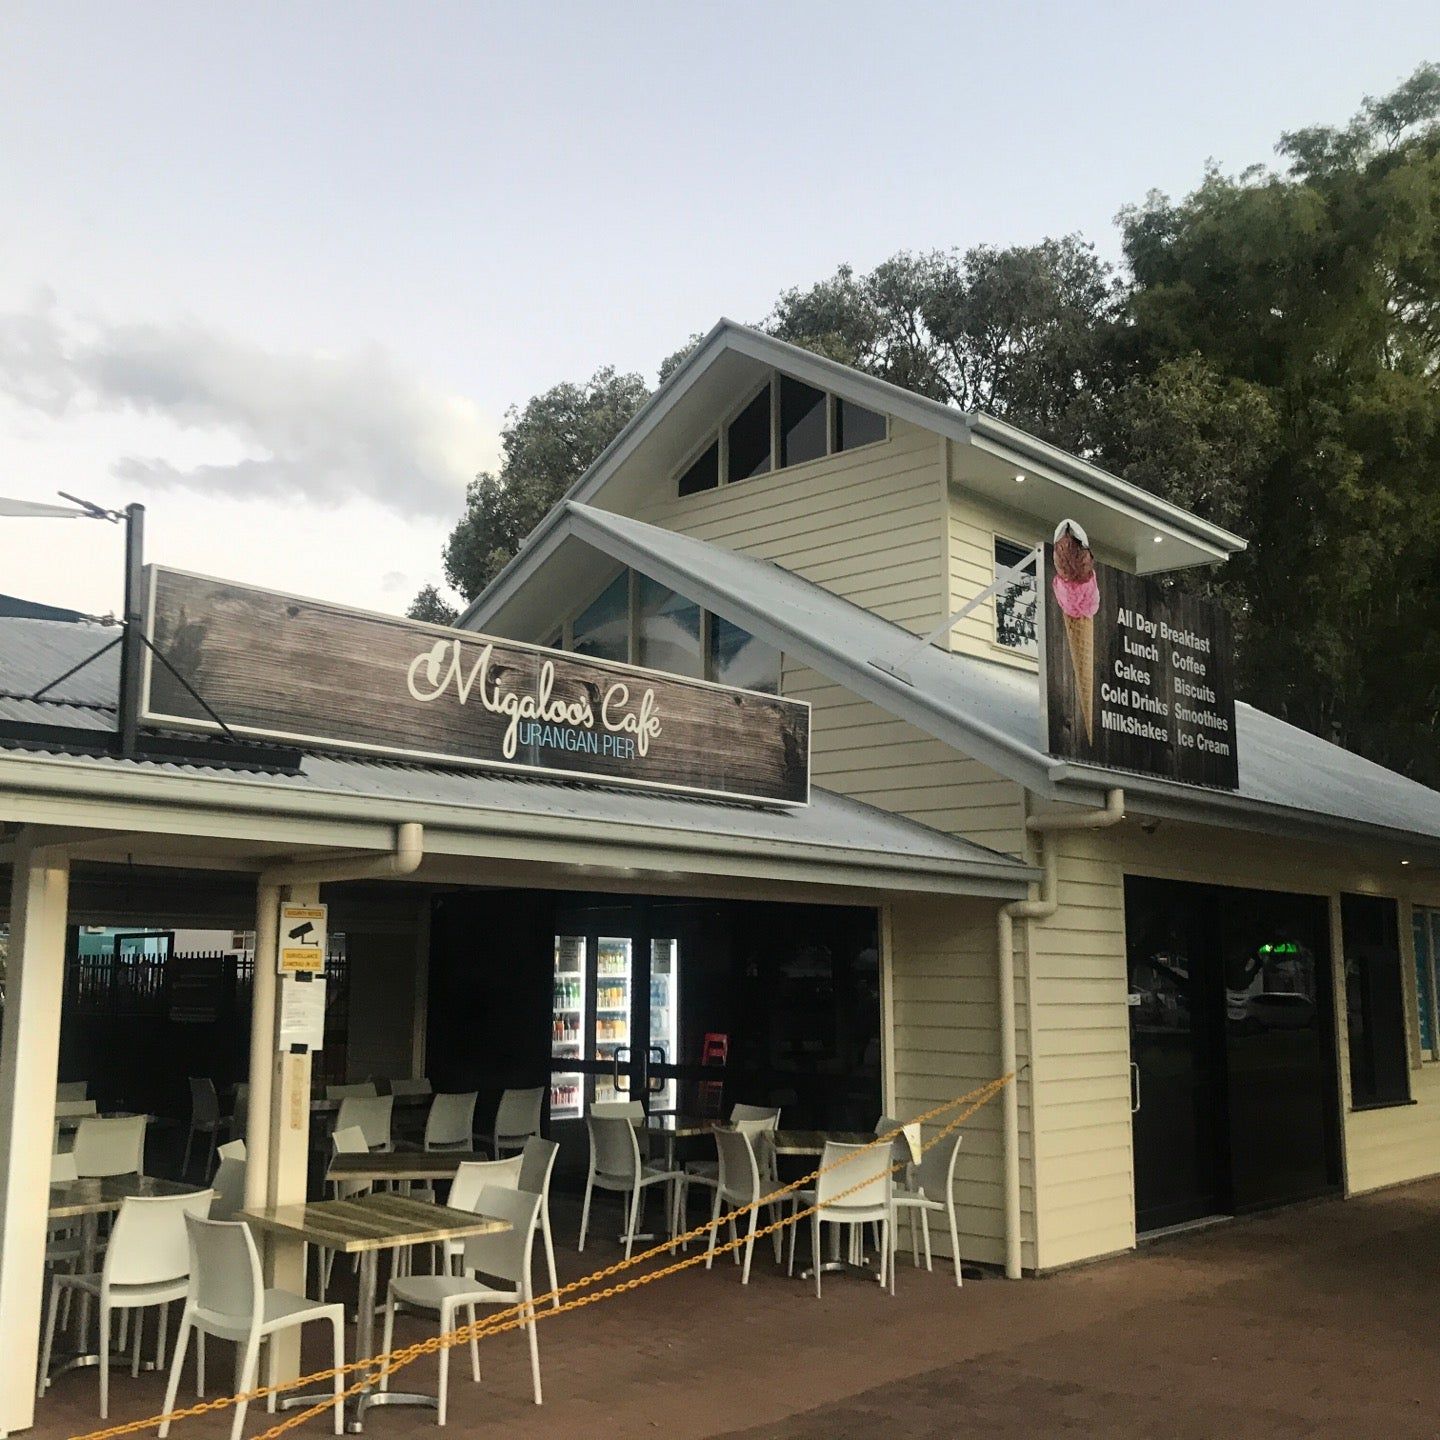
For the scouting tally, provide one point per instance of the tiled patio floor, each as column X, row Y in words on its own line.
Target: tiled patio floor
column 1320, row 1321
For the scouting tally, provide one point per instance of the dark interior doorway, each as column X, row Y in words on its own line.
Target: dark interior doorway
column 690, row 1005
column 1232, row 1050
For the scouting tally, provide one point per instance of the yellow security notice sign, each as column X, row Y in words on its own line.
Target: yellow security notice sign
column 302, row 939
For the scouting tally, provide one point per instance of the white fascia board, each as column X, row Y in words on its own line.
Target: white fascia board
column 1168, row 800
column 64, row 791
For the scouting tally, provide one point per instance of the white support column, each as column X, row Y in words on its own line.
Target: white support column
column 29, row 1065
column 278, row 1141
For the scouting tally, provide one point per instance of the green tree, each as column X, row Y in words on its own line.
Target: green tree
column 431, row 605
column 1308, row 300
column 1025, row 333
column 545, row 448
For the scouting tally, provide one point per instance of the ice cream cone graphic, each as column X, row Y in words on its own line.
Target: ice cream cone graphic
column 1077, row 592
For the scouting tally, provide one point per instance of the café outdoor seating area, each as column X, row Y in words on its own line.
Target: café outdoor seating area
column 424, row 1215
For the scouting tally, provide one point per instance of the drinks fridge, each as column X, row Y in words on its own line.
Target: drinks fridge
column 567, row 1028
column 664, row 1019
column 613, row 1017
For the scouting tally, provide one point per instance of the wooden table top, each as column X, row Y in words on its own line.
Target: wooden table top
column 812, row 1142
column 105, row 1196
column 373, row 1222
column 73, row 1122
column 681, row 1127
column 401, row 1164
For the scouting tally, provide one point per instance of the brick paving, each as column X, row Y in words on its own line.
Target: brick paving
column 1312, row 1321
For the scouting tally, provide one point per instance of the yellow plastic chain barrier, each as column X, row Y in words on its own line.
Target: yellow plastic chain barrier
column 376, row 1368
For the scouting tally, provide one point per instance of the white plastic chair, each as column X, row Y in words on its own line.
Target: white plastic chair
column 471, row 1179
column 536, row 1167
column 227, row 1298
column 615, row 1165
column 756, row 1112
column 358, row 1088
column 738, row 1184
column 204, row 1120
column 147, row 1264
column 231, row 1150
column 517, row 1117
column 933, row 1188
column 869, row 1203
column 349, row 1141
column 229, row 1184
column 504, row 1257
column 240, row 1112
column 110, row 1146
column 372, row 1115
column 451, row 1122
column 410, row 1087
column 72, row 1089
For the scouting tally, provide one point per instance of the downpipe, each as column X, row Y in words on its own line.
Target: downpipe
column 1033, row 909
column 404, row 859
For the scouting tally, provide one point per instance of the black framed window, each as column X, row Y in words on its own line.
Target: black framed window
column 704, row 472
column 750, row 440
column 1015, row 603
column 856, row 426
column 603, row 629
column 738, row 658
column 1374, row 1001
column 802, row 422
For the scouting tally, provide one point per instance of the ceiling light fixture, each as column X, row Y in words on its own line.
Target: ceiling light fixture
column 1159, row 538
column 1019, row 478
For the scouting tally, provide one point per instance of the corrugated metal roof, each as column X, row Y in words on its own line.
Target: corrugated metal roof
column 35, row 652
column 989, row 710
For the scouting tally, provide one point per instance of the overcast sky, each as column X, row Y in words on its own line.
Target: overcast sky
column 278, row 270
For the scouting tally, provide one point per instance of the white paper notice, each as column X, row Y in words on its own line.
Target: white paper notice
column 912, row 1138
column 302, row 1012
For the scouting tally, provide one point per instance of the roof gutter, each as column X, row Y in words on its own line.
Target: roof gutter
column 1033, row 909
column 403, row 859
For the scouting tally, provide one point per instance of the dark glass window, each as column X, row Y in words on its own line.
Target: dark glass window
column 738, row 658
column 802, row 422
column 750, row 439
column 704, row 474
column 668, row 627
column 855, row 425
column 1015, row 603
column 603, row 630
column 1374, row 1001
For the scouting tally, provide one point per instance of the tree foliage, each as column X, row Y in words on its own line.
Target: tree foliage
column 545, row 447
column 431, row 605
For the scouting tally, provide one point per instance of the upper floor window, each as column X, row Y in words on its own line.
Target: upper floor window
column 1015, row 603
column 703, row 473
column 802, row 422
column 856, row 426
column 787, row 423
column 672, row 634
column 749, row 436
column 602, row 629
column 667, row 630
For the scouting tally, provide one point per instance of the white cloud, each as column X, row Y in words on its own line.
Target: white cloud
column 319, row 427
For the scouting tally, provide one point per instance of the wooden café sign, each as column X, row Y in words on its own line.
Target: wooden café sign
column 1135, row 677
column 317, row 675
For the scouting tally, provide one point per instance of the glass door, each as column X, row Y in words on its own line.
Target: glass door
column 568, row 1029
column 662, row 1051
column 1177, row 1090
column 614, row 993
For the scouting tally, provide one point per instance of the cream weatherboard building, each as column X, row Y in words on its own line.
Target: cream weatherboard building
column 830, row 516
column 1211, row 999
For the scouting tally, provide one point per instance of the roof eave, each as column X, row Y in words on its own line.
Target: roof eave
column 1169, row 800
